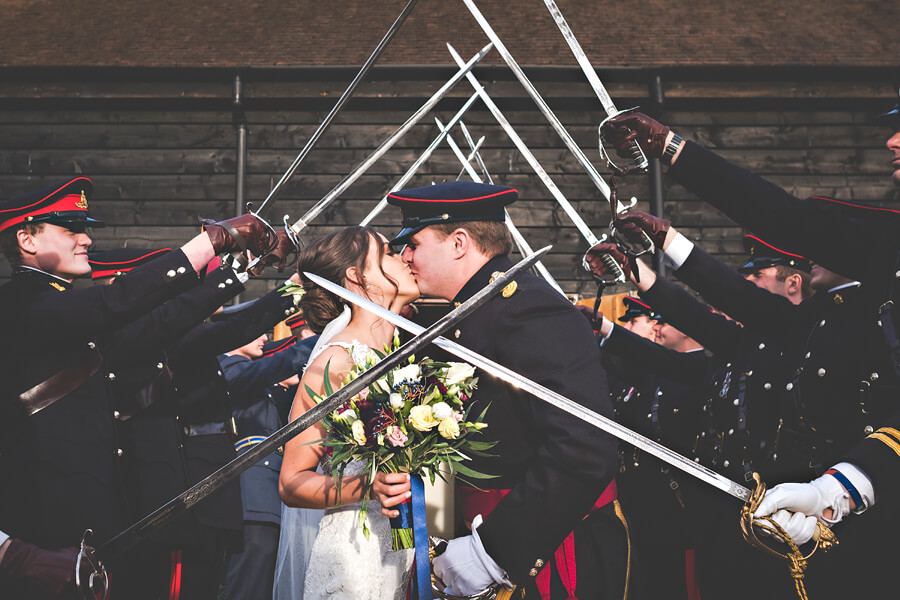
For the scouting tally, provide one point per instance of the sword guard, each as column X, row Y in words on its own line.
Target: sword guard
column 640, row 162
column 96, row 587
column 436, row 547
column 824, row 538
column 617, row 274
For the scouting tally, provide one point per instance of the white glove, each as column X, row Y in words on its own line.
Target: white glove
column 811, row 499
column 798, row 526
column 465, row 567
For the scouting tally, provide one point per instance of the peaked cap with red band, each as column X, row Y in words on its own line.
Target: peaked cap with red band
column 64, row 204
column 764, row 255
column 636, row 308
column 450, row 202
column 119, row 261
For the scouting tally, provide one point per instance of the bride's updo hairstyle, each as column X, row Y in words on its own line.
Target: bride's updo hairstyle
column 329, row 257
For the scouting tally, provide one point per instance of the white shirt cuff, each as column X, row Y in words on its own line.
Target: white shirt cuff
column 490, row 565
column 606, row 337
column 678, row 251
column 860, row 481
column 3, row 538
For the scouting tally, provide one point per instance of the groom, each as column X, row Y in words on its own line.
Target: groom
column 553, row 499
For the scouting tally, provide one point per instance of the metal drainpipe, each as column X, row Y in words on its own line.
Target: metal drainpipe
column 657, row 99
column 239, row 119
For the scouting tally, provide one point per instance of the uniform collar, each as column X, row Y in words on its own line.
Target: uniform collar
column 52, row 280
column 483, row 277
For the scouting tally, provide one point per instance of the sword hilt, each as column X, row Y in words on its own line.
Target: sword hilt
column 639, row 159
column 96, row 587
column 616, row 272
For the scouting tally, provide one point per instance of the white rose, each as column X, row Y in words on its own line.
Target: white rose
column 348, row 416
column 396, row 400
column 441, row 410
column 410, row 372
column 422, row 418
column 458, row 372
column 449, row 428
column 359, row 432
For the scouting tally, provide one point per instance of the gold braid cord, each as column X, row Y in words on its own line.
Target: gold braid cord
column 796, row 560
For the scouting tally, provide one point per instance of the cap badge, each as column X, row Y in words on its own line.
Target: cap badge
column 82, row 204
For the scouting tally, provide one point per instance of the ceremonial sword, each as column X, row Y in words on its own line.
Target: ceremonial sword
column 388, row 143
column 276, row 191
column 640, row 161
column 547, row 395
column 189, row 498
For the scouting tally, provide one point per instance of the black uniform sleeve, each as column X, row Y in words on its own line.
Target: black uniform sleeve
column 878, row 456
column 99, row 309
column 769, row 314
column 169, row 322
column 243, row 376
column 685, row 367
column 712, row 331
column 812, row 227
column 212, row 339
column 545, row 338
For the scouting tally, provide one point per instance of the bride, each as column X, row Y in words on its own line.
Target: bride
column 344, row 564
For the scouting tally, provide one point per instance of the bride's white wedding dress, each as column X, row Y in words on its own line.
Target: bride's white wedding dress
column 343, row 563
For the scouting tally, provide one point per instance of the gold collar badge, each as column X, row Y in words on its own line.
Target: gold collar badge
column 510, row 288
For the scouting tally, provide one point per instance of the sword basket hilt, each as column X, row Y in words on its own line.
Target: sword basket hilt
column 824, row 538
column 96, row 586
column 638, row 158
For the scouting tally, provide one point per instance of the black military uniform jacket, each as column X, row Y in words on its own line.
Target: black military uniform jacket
column 204, row 401
column 742, row 393
column 828, row 399
column 256, row 416
column 63, row 461
column 555, row 465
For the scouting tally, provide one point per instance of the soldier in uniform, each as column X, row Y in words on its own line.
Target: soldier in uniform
column 249, row 372
column 60, row 447
column 845, row 237
column 662, row 403
column 554, row 495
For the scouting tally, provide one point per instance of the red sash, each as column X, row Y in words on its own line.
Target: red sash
column 482, row 502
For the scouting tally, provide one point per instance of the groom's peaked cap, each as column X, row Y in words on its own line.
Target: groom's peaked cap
column 450, row 202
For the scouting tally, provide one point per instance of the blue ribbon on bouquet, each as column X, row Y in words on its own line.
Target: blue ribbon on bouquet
column 419, row 525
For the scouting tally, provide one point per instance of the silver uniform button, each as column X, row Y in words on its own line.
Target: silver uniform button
column 821, row 372
column 92, row 345
column 767, row 386
column 160, row 366
column 762, row 346
column 726, row 464
column 119, row 452
column 822, row 323
column 457, row 333
column 731, row 432
column 539, row 563
column 170, row 273
column 116, row 414
column 111, row 376
column 789, row 387
column 736, row 401
column 221, row 286
column 181, row 270
column 533, row 572
column 873, row 377
column 868, row 430
column 229, row 281
column 266, row 463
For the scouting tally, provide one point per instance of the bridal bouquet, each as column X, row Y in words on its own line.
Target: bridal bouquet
column 416, row 419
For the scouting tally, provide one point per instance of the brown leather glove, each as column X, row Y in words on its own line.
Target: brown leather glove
column 632, row 223
column 599, row 268
column 49, row 573
column 246, row 232
column 649, row 133
column 279, row 256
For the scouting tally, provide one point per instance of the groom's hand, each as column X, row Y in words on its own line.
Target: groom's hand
column 391, row 489
column 466, row 568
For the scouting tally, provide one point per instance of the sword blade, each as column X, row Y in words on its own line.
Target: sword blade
column 636, row 153
column 326, row 123
column 189, row 498
column 547, row 395
column 388, row 143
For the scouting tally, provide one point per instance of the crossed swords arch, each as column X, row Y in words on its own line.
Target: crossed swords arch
column 145, row 526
